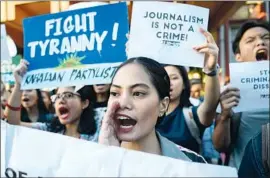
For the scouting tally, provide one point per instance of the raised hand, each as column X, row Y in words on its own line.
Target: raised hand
column 20, row 71
column 107, row 135
column 229, row 98
column 210, row 49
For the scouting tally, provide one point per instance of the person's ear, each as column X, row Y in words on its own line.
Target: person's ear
column 164, row 106
column 85, row 104
column 238, row 57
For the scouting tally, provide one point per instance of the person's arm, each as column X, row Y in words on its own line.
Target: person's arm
column 207, row 109
column 12, row 110
column 222, row 132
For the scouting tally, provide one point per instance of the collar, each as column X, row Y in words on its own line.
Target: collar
column 170, row 149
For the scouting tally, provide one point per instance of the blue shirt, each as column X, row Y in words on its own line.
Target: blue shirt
column 174, row 127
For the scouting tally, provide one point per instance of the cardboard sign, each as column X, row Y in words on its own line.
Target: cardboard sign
column 252, row 78
column 4, row 46
column 34, row 153
column 167, row 32
column 75, row 47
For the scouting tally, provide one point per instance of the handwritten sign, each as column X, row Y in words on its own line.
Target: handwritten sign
column 70, row 157
column 167, row 32
column 4, row 46
column 252, row 78
column 75, row 47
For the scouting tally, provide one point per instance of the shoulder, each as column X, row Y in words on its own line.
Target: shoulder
column 170, row 149
column 39, row 126
column 99, row 112
column 195, row 157
column 93, row 138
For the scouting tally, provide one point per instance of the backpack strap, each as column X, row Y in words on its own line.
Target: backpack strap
column 266, row 147
column 192, row 126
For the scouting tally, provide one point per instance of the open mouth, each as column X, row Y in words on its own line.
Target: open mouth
column 64, row 112
column 25, row 99
column 261, row 55
column 126, row 124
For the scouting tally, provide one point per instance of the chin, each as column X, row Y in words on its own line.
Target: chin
column 26, row 105
column 65, row 121
column 128, row 137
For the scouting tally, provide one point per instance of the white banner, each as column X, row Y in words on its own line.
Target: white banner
column 252, row 78
column 34, row 153
column 167, row 32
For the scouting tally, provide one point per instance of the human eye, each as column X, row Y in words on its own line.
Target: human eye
column 139, row 94
column 266, row 37
column 69, row 95
column 249, row 40
column 114, row 93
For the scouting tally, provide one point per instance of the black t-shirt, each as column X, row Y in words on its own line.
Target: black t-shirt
column 174, row 128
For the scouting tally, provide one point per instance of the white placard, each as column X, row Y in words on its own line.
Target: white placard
column 252, row 78
column 4, row 46
column 35, row 153
column 167, row 32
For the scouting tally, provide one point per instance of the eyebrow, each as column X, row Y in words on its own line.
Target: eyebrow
column 266, row 34
column 263, row 35
column 133, row 86
column 172, row 75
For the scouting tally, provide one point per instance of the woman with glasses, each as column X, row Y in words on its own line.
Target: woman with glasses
column 75, row 115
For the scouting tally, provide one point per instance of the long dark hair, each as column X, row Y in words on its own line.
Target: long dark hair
column 185, row 95
column 51, row 107
column 157, row 74
column 42, row 110
column 87, row 123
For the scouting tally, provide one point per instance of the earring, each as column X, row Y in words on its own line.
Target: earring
column 161, row 114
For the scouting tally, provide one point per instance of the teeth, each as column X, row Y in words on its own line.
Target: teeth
column 122, row 118
column 126, row 127
column 261, row 50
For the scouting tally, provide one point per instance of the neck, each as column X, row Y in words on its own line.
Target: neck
column 102, row 97
column 148, row 144
column 33, row 113
column 173, row 104
column 71, row 129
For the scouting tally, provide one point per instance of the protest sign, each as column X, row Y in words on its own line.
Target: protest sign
column 77, row 47
column 167, row 32
column 34, row 153
column 4, row 45
column 252, row 78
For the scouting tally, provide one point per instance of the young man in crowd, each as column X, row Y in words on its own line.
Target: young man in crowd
column 234, row 130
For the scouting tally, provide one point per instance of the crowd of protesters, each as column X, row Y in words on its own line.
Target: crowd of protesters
column 156, row 108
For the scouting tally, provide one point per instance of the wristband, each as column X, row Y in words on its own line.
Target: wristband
column 211, row 73
column 13, row 108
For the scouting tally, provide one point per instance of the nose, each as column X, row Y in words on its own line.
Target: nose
column 24, row 94
column 260, row 42
column 125, row 102
column 61, row 100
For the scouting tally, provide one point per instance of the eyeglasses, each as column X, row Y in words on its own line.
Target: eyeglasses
column 65, row 95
